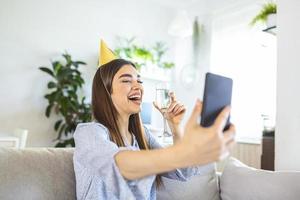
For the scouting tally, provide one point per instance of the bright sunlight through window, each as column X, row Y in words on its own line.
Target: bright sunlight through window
column 248, row 55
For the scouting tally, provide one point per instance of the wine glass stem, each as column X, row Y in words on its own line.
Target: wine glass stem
column 165, row 128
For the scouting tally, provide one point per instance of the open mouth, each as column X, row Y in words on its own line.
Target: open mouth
column 135, row 98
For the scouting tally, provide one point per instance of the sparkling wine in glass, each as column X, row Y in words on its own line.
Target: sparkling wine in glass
column 163, row 100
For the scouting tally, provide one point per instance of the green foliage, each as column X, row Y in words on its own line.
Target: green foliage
column 141, row 55
column 63, row 99
column 268, row 8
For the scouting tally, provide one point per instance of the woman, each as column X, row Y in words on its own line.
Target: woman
column 117, row 158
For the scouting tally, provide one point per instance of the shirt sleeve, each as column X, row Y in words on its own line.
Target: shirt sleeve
column 182, row 174
column 97, row 174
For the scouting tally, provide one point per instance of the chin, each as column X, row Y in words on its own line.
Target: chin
column 135, row 111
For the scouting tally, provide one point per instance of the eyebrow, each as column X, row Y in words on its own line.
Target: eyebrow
column 129, row 76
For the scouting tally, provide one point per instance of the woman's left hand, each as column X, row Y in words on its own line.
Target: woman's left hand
column 175, row 111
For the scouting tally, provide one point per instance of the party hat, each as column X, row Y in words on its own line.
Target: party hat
column 106, row 54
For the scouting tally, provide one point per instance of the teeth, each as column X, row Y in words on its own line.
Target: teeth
column 135, row 96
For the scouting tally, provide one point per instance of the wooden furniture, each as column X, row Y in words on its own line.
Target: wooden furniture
column 268, row 153
column 247, row 150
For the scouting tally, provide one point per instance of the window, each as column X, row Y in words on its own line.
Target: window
column 248, row 55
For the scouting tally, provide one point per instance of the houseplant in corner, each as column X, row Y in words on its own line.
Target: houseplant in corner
column 267, row 15
column 63, row 99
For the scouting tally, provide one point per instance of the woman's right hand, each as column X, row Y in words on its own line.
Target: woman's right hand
column 198, row 146
column 201, row 145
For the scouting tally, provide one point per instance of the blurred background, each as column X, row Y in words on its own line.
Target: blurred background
column 197, row 36
column 172, row 42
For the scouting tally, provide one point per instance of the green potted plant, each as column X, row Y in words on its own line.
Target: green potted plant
column 267, row 15
column 143, row 56
column 63, row 99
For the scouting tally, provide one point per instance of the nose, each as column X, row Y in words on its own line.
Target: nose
column 137, row 85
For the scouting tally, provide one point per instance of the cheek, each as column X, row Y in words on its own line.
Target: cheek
column 123, row 91
column 120, row 94
column 142, row 88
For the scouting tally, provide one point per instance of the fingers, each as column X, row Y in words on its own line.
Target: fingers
column 195, row 114
column 172, row 101
column 228, row 141
column 172, row 106
column 221, row 120
column 179, row 109
column 229, row 134
column 230, row 144
column 172, row 96
column 175, row 106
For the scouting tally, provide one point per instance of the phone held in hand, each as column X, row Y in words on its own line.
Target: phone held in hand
column 217, row 95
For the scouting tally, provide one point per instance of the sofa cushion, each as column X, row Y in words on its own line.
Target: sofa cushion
column 240, row 182
column 203, row 186
column 47, row 173
column 41, row 173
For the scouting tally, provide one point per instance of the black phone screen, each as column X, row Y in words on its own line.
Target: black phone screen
column 217, row 95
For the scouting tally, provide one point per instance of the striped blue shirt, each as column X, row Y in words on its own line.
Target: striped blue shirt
column 98, row 176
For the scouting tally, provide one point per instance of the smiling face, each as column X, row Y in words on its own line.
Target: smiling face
column 127, row 91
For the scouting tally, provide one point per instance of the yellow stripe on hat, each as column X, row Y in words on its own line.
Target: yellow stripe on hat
column 106, row 55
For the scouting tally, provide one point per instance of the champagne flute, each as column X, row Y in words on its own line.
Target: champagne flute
column 163, row 100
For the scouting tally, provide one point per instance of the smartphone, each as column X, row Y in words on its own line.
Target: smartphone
column 217, row 95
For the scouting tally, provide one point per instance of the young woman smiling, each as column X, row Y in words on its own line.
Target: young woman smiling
column 117, row 158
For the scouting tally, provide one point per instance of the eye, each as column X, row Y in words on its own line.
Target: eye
column 140, row 82
column 126, row 81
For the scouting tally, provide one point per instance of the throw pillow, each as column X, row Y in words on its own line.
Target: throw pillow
column 240, row 182
column 203, row 186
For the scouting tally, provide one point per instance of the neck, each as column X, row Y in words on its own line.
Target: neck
column 123, row 124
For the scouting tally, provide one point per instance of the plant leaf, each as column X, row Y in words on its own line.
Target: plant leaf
column 48, row 110
column 60, row 145
column 57, row 124
column 56, row 66
column 267, row 9
column 79, row 63
column 51, row 85
column 47, row 70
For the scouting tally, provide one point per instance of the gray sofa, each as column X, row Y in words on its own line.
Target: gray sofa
column 47, row 173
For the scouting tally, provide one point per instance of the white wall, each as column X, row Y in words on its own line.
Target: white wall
column 32, row 32
column 188, row 93
column 287, row 139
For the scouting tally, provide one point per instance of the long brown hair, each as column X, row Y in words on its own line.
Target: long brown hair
column 105, row 112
